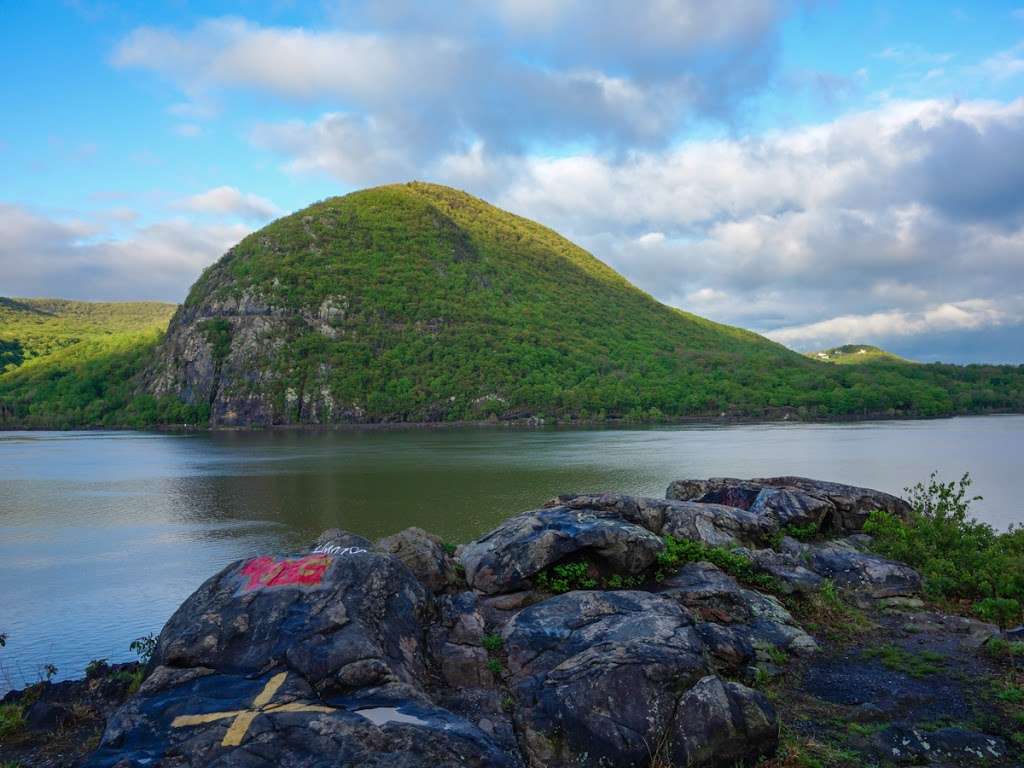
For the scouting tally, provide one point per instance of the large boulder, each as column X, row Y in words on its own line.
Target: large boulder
column 604, row 678
column 505, row 559
column 312, row 659
column 791, row 500
column 867, row 576
column 716, row 525
column 741, row 626
column 423, row 554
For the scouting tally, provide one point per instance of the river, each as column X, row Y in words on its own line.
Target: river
column 103, row 534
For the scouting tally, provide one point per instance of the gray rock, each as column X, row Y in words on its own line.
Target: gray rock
column 866, row 575
column 327, row 616
column 424, row 555
column 722, row 723
column 735, row 618
column 716, row 525
column 600, row 677
column 789, row 506
column 903, row 744
column 239, row 721
column 311, row 660
column 836, row 507
column 788, row 570
column 852, row 504
column 729, row 491
column 505, row 559
column 456, row 642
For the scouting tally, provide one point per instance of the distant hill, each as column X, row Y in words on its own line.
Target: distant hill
column 852, row 354
column 417, row 302
column 69, row 363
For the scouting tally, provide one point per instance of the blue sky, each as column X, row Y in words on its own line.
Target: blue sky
column 819, row 172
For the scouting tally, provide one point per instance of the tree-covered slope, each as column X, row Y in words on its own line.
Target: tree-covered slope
column 71, row 363
column 855, row 354
column 418, row 302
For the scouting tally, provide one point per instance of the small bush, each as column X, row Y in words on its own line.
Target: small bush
column 495, row 667
column 957, row 556
column 565, row 578
column 493, row 643
column 999, row 610
column 95, row 667
column 678, row 552
column 802, row 532
column 12, row 720
column 143, row 647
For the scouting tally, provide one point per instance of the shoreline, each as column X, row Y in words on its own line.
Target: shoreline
column 516, row 424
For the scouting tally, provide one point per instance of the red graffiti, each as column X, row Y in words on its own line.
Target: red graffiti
column 266, row 571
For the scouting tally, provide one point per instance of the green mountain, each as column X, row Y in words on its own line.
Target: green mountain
column 854, row 354
column 417, row 302
column 68, row 363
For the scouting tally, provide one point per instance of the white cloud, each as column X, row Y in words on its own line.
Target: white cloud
column 970, row 315
column 44, row 256
column 188, row 130
column 229, row 201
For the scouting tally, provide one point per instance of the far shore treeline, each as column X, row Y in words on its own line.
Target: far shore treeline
column 419, row 303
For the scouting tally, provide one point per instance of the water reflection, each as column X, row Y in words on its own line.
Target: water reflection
column 103, row 534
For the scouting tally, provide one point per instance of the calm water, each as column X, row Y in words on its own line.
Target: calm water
column 102, row 535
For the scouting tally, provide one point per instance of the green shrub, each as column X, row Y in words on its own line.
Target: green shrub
column 678, row 552
column 801, row 532
column 12, row 720
column 957, row 556
column 95, row 667
column 999, row 610
column 493, row 643
column 565, row 578
column 143, row 647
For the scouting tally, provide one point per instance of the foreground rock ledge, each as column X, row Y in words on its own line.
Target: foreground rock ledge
column 361, row 654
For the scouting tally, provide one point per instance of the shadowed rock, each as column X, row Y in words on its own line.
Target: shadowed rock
column 424, row 555
column 741, row 626
column 714, row 524
column 505, row 559
column 603, row 678
column 793, row 500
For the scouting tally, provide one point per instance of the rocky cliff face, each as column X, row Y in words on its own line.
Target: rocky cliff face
column 399, row 654
column 231, row 353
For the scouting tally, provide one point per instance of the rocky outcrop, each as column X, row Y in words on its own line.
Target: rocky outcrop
column 505, row 559
column 611, row 678
column 800, row 501
column 357, row 654
column 423, row 554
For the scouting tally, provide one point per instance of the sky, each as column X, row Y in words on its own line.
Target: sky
column 820, row 172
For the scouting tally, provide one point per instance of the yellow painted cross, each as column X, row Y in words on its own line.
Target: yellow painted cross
column 243, row 717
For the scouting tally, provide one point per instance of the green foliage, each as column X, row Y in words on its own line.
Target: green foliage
column 143, row 647
column 48, row 671
column 802, row 532
column 1003, row 611
column 493, row 643
column 565, row 578
column 619, row 581
column 958, row 557
column 417, row 302
column 999, row 648
column 678, row 552
column 918, row 664
column 12, row 720
column 95, row 667
column 1011, row 694
column 79, row 365
column 438, row 306
column 494, row 665
column 217, row 333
